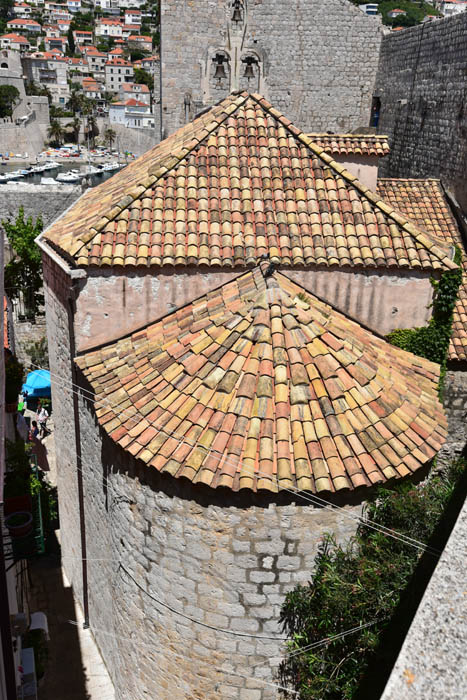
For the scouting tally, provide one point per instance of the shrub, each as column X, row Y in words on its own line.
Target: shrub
column 366, row 581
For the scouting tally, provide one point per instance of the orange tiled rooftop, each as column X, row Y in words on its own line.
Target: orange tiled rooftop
column 239, row 182
column 352, row 144
column 424, row 201
column 260, row 385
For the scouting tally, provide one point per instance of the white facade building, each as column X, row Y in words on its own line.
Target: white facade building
column 117, row 71
column 131, row 113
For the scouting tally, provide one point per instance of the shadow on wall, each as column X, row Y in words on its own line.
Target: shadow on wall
column 65, row 675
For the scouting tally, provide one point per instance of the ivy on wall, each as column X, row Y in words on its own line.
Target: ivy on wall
column 432, row 341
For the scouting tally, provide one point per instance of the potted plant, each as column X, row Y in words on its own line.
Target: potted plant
column 19, row 524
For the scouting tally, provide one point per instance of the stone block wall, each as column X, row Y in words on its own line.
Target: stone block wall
column 47, row 201
column 57, row 286
column 455, row 405
column 316, row 61
column 219, row 559
column 421, row 82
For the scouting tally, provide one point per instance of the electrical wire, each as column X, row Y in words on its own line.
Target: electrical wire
column 65, row 383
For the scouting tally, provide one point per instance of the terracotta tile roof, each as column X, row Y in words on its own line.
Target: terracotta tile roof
column 352, row 144
column 239, row 182
column 425, row 203
column 260, row 385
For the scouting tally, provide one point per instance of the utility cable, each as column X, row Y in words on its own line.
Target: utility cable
column 312, row 498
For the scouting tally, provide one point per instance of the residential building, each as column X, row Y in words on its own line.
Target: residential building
column 22, row 10
column 96, row 62
column 117, row 71
column 149, row 64
column 25, row 25
column 63, row 25
column 82, row 38
column 94, row 91
column 132, row 16
column 141, row 42
column 452, row 7
column 15, row 42
column 131, row 113
column 109, row 7
column 227, row 390
column 130, row 91
column 370, row 8
column 58, row 43
column 128, row 29
column 393, row 14
column 109, row 27
column 51, row 70
column 57, row 15
column 52, row 30
column 74, row 6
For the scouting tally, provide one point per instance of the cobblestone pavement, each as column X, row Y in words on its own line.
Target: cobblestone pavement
column 75, row 669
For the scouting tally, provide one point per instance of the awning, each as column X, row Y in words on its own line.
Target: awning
column 37, row 383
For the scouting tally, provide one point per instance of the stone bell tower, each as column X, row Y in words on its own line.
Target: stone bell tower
column 315, row 60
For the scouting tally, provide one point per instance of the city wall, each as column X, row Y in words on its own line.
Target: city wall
column 422, row 86
column 46, row 201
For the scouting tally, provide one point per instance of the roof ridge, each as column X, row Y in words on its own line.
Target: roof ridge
column 171, row 162
column 419, row 234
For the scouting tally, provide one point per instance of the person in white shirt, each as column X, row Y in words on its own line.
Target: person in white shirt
column 42, row 416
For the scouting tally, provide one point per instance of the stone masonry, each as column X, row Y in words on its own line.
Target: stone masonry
column 421, row 82
column 221, row 560
column 315, row 61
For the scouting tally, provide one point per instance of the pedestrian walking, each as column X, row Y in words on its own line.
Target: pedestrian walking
column 42, row 416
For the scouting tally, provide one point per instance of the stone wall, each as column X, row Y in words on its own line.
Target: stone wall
column 316, row 61
column 57, row 286
column 455, row 404
column 422, row 86
column 114, row 302
column 48, row 201
column 221, row 560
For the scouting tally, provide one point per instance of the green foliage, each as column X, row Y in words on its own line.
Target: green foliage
column 55, row 132
column 416, row 11
column 83, row 21
column 142, row 77
column 363, row 582
column 432, row 341
column 71, row 42
column 9, row 97
column 38, row 353
column 23, row 274
column 109, row 137
column 32, row 88
column 14, row 372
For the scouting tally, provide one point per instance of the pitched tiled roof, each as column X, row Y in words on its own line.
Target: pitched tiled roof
column 425, row 203
column 239, row 182
column 352, row 144
column 260, row 385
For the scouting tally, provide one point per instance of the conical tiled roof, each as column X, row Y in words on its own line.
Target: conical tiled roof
column 237, row 183
column 260, row 385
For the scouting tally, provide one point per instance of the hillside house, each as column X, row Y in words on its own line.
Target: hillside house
column 117, row 72
column 24, row 25
column 129, row 91
column 132, row 113
column 15, row 42
column 220, row 303
column 144, row 43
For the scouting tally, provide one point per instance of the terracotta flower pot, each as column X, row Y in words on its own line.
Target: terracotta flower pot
column 19, row 524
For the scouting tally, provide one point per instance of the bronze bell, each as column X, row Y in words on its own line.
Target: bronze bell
column 237, row 15
column 220, row 73
column 249, row 72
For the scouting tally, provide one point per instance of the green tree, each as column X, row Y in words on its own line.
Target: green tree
column 109, row 137
column 9, row 97
column 370, row 580
column 142, row 77
column 71, row 42
column 23, row 274
column 55, row 132
column 75, row 126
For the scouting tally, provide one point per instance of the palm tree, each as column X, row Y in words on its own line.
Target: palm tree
column 109, row 137
column 75, row 126
column 55, row 132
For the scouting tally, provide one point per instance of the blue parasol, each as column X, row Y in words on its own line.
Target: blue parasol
column 37, row 383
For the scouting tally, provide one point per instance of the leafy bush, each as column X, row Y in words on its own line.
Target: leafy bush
column 14, row 372
column 432, row 341
column 364, row 582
